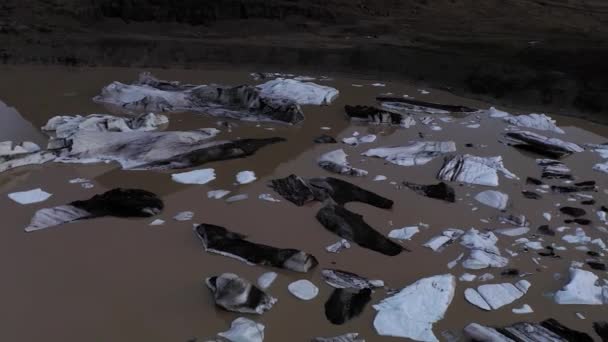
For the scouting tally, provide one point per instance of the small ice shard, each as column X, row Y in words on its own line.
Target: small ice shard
column 203, row 176
column 582, row 289
column 354, row 141
column 415, row 153
column 579, row 237
column 66, row 126
column 525, row 309
column 116, row 203
column 494, row 199
column 454, row 262
column 423, row 92
column 379, row 178
column 338, row 246
column 494, row 296
column 467, row 277
column 245, row 177
column 266, row 279
column 547, row 216
column 601, row 167
column 217, row 194
column 404, row 233
column 539, row 122
column 513, row 231
column 303, row 93
column 184, row 216
column 30, row 196
column 237, row 198
column 549, row 147
column 486, row 277
column 412, row 312
column 335, row 161
column 448, row 236
column 268, row 198
column 474, row 126
column 378, row 85
column 474, row 170
column 236, row 294
column 483, row 250
column 78, row 181
column 157, row 222
column 495, row 113
column 244, row 330
column 350, row 337
column 303, row 289
column 347, row 280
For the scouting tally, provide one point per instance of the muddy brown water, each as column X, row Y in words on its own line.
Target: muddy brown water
column 123, row 280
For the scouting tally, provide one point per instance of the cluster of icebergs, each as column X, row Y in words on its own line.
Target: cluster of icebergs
column 141, row 143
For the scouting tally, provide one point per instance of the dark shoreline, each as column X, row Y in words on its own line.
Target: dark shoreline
column 560, row 72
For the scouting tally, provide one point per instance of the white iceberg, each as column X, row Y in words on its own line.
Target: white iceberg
column 335, row 161
column 266, row 279
column 244, row 330
column 416, row 153
column 474, row 170
column 66, row 126
column 539, row 122
column 30, row 196
column 245, row 177
column 582, row 289
column 494, row 296
column 203, row 176
column 483, row 250
column 303, row 289
column 304, row 93
column 412, row 312
column 405, row 233
column 338, row 246
column 494, row 199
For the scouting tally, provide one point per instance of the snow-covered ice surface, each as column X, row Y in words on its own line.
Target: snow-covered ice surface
column 412, row 312
column 29, row 196
column 66, row 126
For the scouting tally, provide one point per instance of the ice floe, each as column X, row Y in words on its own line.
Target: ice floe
column 338, row 246
column 494, row 199
column 483, row 251
column 304, row 93
column 539, row 122
column 354, row 141
column 582, row 289
column 412, row 312
column 203, row 176
column 244, row 330
column 540, row 144
column 416, row 153
column 448, row 236
column 303, row 289
column 245, row 177
column 474, row 170
column 266, row 279
column 217, row 194
column 30, row 196
column 335, row 161
column 495, row 296
column 66, row 126
column 405, row 233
